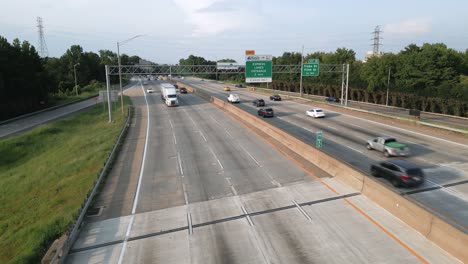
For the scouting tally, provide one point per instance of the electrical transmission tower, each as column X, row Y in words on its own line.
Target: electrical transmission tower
column 43, row 52
column 376, row 39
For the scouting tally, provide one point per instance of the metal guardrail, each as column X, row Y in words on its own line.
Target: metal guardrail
column 74, row 229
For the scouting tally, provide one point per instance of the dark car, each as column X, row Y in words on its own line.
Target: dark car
column 399, row 172
column 182, row 90
column 265, row 112
column 332, row 99
column 239, row 85
column 275, row 97
column 258, row 102
column 176, row 86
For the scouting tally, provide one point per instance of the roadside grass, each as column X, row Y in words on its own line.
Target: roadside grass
column 45, row 175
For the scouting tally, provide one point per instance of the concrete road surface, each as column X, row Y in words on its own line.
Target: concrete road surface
column 210, row 191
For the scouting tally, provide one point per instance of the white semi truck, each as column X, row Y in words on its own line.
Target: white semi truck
column 169, row 94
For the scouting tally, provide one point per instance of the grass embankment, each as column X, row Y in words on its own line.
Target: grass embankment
column 45, row 175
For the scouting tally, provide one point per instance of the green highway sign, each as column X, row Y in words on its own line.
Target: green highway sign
column 318, row 139
column 258, row 68
column 311, row 68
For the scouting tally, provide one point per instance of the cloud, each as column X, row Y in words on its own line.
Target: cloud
column 409, row 27
column 211, row 17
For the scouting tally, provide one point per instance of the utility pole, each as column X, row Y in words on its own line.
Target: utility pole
column 43, row 52
column 342, row 83
column 388, row 85
column 120, row 70
column 108, row 93
column 347, row 80
column 376, row 39
column 76, row 83
column 302, row 65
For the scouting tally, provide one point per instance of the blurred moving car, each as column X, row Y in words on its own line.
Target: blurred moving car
column 315, row 112
column 149, row 90
column 182, row 90
column 265, row 112
column 332, row 99
column 389, row 146
column 258, row 102
column 233, row 98
column 227, row 89
column 275, row 97
column 399, row 172
column 176, row 86
column 239, row 85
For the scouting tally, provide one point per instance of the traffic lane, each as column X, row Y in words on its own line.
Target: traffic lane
column 161, row 186
column 244, row 160
column 422, row 150
column 451, row 121
column 363, row 162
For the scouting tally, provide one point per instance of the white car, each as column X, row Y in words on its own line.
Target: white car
column 315, row 112
column 149, row 90
column 233, row 98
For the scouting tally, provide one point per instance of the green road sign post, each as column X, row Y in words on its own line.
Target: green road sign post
column 258, row 68
column 318, row 140
column 311, row 68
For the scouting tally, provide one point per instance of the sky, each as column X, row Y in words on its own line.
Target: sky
column 218, row 29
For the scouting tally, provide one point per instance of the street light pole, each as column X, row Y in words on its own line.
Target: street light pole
column 76, row 83
column 120, row 70
column 301, row 92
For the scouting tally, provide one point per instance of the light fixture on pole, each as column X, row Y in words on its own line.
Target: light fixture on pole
column 120, row 70
column 76, row 84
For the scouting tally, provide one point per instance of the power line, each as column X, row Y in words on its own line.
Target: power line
column 376, row 39
column 43, row 52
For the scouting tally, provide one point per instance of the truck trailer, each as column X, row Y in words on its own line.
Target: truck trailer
column 169, row 94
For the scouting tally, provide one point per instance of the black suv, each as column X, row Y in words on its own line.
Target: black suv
column 239, row 85
column 275, row 97
column 399, row 172
column 182, row 90
column 265, row 112
column 258, row 102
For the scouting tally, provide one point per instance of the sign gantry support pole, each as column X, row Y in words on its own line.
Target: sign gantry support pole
column 347, row 80
column 342, row 83
column 302, row 65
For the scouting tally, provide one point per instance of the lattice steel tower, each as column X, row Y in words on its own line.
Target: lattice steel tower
column 376, row 39
column 43, row 52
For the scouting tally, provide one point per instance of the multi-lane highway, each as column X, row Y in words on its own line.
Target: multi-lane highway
column 445, row 160
column 194, row 186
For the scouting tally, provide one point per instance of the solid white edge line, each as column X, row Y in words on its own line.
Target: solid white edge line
column 137, row 194
column 354, row 149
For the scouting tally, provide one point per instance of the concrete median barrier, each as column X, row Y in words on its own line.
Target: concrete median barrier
column 434, row 228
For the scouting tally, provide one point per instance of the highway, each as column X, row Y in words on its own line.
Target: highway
column 445, row 162
column 29, row 122
column 194, row 186
column 433, row 118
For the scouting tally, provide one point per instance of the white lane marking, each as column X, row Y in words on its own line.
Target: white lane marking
column 142, row 168
column 127, row 233
column 203, row 136
column 355, row 149
column 302, row 210
column 185, row 193
column 219, row 162
column 247, row 215
column 185, row 111
column 333, row 127
column 179, row 161
column 170, row 122
column 450, row 191
column 189, row 220
column 248, row 153
column 175, row 139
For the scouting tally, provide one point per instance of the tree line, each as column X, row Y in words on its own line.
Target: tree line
column 28, row 82
column 431, row 77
